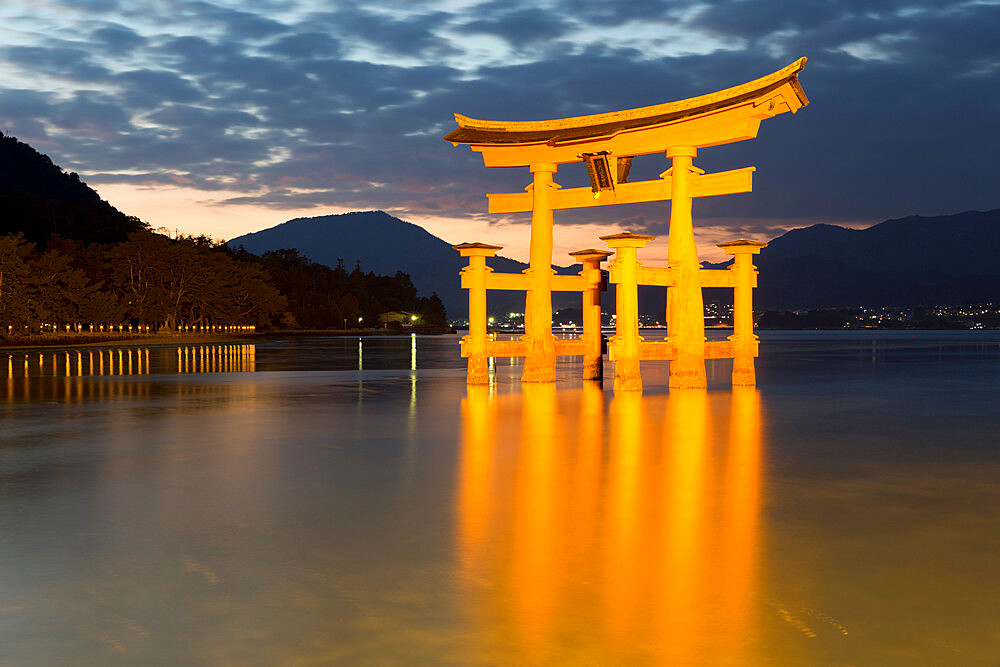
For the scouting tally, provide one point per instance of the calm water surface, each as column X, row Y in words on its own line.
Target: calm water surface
column 277, row 505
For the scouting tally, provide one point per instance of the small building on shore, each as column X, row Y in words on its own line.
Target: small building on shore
column 398, row 318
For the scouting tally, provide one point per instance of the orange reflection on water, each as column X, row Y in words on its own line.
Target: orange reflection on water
column 66, row 375
column 620, row 531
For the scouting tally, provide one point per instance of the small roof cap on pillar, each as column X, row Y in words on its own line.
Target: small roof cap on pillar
column 627, row 240
column 742, row 246
column 591, row 253
column 477, row 249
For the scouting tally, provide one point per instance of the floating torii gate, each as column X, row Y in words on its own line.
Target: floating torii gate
column 607, row 143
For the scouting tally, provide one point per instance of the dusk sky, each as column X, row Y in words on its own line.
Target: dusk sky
column 223, row 117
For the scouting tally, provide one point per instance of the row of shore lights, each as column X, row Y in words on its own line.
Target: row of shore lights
column 144, row 328
column 217, row 328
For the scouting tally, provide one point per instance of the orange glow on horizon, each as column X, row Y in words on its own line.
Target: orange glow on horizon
column 195, row 212
column 198, row 212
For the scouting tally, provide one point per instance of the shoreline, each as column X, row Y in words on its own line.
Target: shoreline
column 95, row 340
column 334, row 333
column 87, row 339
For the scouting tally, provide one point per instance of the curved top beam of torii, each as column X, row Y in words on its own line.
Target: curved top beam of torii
column 721, row 117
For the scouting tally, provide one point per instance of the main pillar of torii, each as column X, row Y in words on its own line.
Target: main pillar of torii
column 607, row 143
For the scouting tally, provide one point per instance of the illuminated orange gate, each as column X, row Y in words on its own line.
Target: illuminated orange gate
column 607, row 143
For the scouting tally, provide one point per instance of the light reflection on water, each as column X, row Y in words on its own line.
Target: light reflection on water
column 132, row 361
column 635, row 536
column 842, row 513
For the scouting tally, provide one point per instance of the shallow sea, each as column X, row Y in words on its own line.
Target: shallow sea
column 351, row 501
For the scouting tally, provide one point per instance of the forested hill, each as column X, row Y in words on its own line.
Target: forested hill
column 67, row 257
column 39, row 199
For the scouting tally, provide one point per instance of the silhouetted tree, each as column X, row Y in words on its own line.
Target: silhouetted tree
column 14, row 251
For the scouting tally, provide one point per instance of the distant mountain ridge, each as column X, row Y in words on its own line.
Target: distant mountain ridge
column 915, row 260
column 385, row 244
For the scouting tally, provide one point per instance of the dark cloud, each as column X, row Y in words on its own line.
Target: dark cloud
column 204, row 120
column 98, row 5
column 517, row 26
column 754, row 20
column 602, row 13
column 230, row 66
column 410, row 36
column 642, row 224
column 305, row 46
column 21, row 103
column 92, row 112
column 239, row 25
column 932, row 40
column 117, row 39
column 69, row 62
column 21, row 114
column 143, row 89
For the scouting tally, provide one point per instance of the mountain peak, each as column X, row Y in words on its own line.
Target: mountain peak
column 369, row 220
column 384, row 244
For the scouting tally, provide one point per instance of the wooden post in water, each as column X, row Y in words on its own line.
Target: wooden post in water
column 744, row 280
column 624, row 347
column 474, row 277
column 593, row 353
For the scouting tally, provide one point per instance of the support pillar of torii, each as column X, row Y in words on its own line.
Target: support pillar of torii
column 607, row 143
